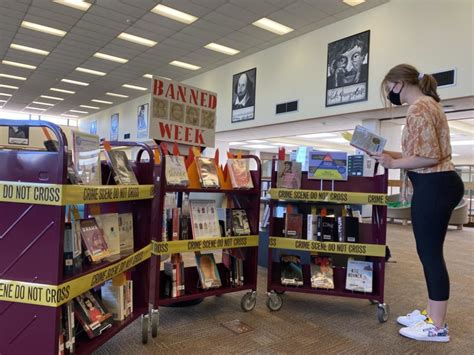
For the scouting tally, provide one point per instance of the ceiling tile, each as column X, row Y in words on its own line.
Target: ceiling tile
column 238, row 13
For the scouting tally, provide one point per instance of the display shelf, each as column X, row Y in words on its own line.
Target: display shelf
column 317, row 291
column 225, row 191
column 166, row 301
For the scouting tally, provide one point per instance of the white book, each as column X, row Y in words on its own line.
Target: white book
column 113, row 298
column 359, row 275
column 109, row 223
column 125, row 221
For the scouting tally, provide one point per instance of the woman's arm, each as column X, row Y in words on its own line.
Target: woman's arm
column 411, row 162
column 394, row 155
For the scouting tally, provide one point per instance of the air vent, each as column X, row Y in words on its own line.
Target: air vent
column 445, row 78
column 126, row 136
column 286, row 107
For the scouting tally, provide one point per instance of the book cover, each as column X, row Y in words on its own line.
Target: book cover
column 113, row 298
column 175, row 223
column 125, row 221
column 325, row 165
column 68, row 320
column 86, row 157
column 95, row 245
column 109, row 224
column 359, row 275
column 129, row 297
column 239, row 172
column 361, row 165
column 351, row 229
column 288, row 174
column 294, row 225
column 240, row 223
column 207, row 171
column 176, row 173
column 291, row 270
column 120, row 165
column 68, row 250
column 322, row 272
column 311, row 227
column 92, row 314
column 367, row 141
column 208, row 273
column 204, row 220
column 328, row 229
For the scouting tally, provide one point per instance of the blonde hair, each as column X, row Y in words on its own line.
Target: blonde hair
column 409, row 74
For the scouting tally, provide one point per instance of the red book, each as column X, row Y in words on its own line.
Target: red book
column 293, row 225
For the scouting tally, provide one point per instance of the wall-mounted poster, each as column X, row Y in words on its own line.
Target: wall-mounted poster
column 18, row 135
column 348, row 70
column 114, row 127
column 182, row 113
column 93, row 127
column 142, row 121
column 243, row 95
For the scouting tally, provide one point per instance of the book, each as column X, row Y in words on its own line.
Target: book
column 176, row 173
column 319, row 228
column 73, row 176
column 121, row 168
column 328, row 230
column 92, row 314
column 359, row 275
column 291, row 270
column 240, row 223
column 208, row 272
column 348, row 229
column 72, row 248
column 207, row 171
column 128, row 297
column 109, row 224
column 125, row 221
column 322, row 272
column 204, row 220
column 239, row 172
column 324, row 165
column 288, row 174
column 86, row 157
column 174, row 269
column 95, row 246
column 68, row 325
column 293, row 225
column 367, row 141
column 113, row 298
column 361, row 165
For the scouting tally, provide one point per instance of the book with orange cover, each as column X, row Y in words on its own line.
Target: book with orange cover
column 239, row 172
column 207, row 171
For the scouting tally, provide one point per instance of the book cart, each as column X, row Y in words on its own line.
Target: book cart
column 371, row 244
column 33, row 286
column 245, row 199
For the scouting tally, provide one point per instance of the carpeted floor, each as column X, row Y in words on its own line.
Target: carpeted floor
column 321, row 324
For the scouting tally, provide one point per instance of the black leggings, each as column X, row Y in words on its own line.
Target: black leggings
column 435, row 195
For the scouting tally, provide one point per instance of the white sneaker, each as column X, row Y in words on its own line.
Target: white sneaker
column 412, row 318
column 426, row 331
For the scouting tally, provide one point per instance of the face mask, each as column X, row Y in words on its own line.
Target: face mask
column 393, row 97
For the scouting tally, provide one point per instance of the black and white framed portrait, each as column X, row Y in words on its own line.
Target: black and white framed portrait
column 142, row 121
column 93, row 127
column 18, row 135
column 243, row 95
column 348, row 70
column 114, row 127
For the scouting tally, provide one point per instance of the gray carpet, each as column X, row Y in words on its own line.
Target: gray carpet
column 321, row 324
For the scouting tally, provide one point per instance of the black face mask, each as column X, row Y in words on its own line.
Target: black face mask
column 394, row 98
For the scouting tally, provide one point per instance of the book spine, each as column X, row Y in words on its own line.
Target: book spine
column 341, row 232
column 319, row 228
column 175, row 223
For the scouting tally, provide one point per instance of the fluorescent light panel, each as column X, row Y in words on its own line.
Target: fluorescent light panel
column 137, row 39
column 353, row 2
column 77, row 111
column 8, row 86
column 222, row 49
column 256, row 141
column 5, row 94
column 102, row 102
column 261, row 146
column 12, row 76
column 75, row 82
column 66, row 115
column 92, row 107
column 236, row 143
column 116, row 95
column 52, row 97
column 62, row 90
column 284, row 144
column 134, row 87
column 28, row 49
column 184, row 65
column 111, row 58
column 76, row 4
column 42, row 103
column 317, row 135
column 174, row 14
column 148, row 76
column 90, row 71
column 273, row 26
column 35, row 108
column 41, row 28
column 19, row 65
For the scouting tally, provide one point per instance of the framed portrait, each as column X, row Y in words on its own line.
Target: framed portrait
column 142, row 121
column 243, row 95
column 348, row 70
column 18, row 135
column 114, row 127
column 93, row 127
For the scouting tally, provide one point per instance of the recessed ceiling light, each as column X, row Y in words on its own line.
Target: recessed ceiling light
column 76, row 4
column 87, row 106
column 236, row 143
column 51, row 97
column 16, row 64
column 317, row 135
column 174, row 14
column 77, row 111
column 112, row 58
column 8, row 86
column 284, row 144
column 42, row 103
column 272, row 26
column 137, row 39
column 35, row 108
column 5, row 94
column 81, row 83
column 12, row 77
column 3, row 100
column 464, row 142
column 41, row 28
column 90, row 71
column 256, row 141
column 327, row 149
column 184, row 65
column 102, row 102
column 353, row 2
column 148, row 76
column 117, row 95
column 62, row 90
column 66, row 115
column 134, row 87
column 336, row 140
column 261, row 146
column 28, row 49
column 222, row 49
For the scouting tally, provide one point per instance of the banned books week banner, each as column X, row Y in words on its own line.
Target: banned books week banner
column 182, row 113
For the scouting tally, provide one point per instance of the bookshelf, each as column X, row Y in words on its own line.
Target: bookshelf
column 333, row 195
column 33, row 208
column 245, row 199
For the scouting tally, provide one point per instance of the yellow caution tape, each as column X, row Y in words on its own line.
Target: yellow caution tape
column 327, row 247
column 182, row 246
column 56, row 295
column 329, row 196
column 60, row 195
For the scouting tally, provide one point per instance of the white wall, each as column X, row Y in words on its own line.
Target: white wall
column 433, row 35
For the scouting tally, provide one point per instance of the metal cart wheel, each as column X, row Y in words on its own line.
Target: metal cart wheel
column 248, row 302
column 155, row 321
column 383, row 311
column 274, row 301
column 373, row 302
column 145, row 327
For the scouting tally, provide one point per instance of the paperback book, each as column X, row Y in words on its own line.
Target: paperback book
column 72, row 248
column 95, row 246
column 322, row 272
column 294, row 225
column 92, row 314
column 367, row 141
column 86, row 157
column 240, row 223
column 359, row 275
column 125, row 221
column 291, row 270
column 239, row 172
column 288, row 174
column 204, row 220
column 208, row 272
column 109, row 225
column 207, row 171
column 176, row 173
column 121, row 168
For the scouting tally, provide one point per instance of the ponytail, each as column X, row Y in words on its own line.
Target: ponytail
column 428, row 86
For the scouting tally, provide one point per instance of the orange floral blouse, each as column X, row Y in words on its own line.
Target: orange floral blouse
column 426, row 134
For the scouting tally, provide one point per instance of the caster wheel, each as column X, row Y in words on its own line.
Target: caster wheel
column 248, row 302
column 373, row 302
column 145, row 327
column 279, row 292
column 155, row 321
column 274, row 302
column 383, row 311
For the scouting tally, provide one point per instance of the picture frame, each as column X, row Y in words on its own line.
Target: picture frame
column 114, row 127
column 142, row 121
column 243, row 95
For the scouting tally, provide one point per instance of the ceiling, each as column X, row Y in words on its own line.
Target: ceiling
column 226, row 22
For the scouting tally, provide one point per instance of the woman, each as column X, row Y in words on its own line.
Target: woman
column 437, row 189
